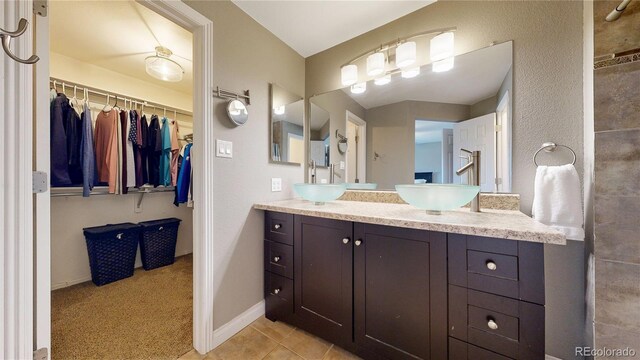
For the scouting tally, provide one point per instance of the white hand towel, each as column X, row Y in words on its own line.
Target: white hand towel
column 557, row 200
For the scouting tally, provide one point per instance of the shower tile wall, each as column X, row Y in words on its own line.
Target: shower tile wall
column 617, row 177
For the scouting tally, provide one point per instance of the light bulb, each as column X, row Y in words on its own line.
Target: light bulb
column 405, row 54
column 349, row 74
column 441, row 46
column 359, row 88
column 382, row 80
column 375, row 64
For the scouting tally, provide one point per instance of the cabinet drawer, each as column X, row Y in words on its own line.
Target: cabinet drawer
column 278, row 227
column 506, row 326
column 503, row 267
column 278, row 258
column 278, row 294
column 460, row 350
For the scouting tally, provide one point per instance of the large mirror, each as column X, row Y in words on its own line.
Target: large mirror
column 412, row 130
column 320, row 144
column 287, row 126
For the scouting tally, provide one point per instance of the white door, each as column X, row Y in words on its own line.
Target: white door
column 476, row 134
column 356, row 159
column 16, row 198
column 447, row 156
column 503, row 145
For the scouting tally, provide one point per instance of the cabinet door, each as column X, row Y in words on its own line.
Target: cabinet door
column 400, row 292
column 323, row 276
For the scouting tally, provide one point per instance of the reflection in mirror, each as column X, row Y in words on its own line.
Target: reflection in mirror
column 287, row 126
column 237, row 112
column 320, row 142
column 412, row 129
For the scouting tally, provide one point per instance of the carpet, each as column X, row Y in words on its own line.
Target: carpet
column 146, row 316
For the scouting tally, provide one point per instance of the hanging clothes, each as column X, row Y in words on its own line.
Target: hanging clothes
column 184, row 178
column 175, row 150
column 73, row 130
column 58, row 137
column 87, row 155
column 165, row 156
column 107, row 148
column 131, row 164
column 123, row 150
column 154, row 149
column 143, row 139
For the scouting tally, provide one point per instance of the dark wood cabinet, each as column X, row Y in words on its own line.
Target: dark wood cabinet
column 323, row 273
column 394, row 293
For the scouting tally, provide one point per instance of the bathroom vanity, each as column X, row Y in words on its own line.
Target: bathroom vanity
column 388, row 281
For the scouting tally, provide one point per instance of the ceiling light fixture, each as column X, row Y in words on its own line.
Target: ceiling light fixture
column 442, row 65
column 349, row 74
column 359, row 88
column 406, row 54
column 161, row 67
column 411, row 73
column 383, row 80
column 441, row 46
column 375, row 64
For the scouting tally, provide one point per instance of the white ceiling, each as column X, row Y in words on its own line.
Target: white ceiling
column 476, row 76
column 119, row 35
column 430, row 131
column 311, row 26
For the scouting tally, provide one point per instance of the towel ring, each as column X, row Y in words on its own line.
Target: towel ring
column 550, row 147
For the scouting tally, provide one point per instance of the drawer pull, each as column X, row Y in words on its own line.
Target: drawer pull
column 346, row 240
column 358, row 242
column 491, row 265
column 277, row 226
column 492, row 324
column 276, row 259
column 276, row 291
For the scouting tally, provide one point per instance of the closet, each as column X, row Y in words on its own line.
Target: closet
column 121, row 142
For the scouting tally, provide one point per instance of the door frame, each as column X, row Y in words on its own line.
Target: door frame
column 503, row 144
column 362, row 146
column 203, row 175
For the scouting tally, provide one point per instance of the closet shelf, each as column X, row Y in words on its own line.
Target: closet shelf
column 104, row 190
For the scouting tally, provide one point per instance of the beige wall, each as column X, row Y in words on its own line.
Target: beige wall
column 246, row 56
column 391, row 132
column 483, row 107
column 547, row 99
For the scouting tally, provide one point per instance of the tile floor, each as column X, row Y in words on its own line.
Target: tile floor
column 268, row 340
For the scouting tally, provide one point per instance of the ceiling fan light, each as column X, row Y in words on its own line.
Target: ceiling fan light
column 359, row 88
column 441, row 46
column 349, row 74
column 411, row 73
column 382, row 80
column 405, row 54
column 162, row 68
column 443, row 65
column 375, row 64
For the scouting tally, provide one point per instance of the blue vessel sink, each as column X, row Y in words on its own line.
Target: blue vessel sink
column 437, row 197
column 320, row 193
column 362, row 186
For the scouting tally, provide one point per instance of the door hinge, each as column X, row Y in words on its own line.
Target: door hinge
column 39, row 182
column 41, row 354
column 498, row 128
column 41, row 7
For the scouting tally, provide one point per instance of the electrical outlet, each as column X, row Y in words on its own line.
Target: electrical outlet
column 276, row 184
column 224, row 148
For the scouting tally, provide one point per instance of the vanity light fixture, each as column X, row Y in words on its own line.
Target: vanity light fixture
column 359, row 88
column 279, row 110
column 161, row 67
column 442, row 65
column 383, row 80
column 410, row 73
column 349, row 74
column 441, row 46
column 375, row 64
column 406, row 54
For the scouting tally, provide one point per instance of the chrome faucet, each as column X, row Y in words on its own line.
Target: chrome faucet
column 473, row 166
column 333, row 174
column 312, row 165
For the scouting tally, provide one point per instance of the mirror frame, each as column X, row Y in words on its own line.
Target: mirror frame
column 304, row 130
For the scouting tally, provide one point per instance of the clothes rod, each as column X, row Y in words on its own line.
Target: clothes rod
column 76, row 86
column 104, row 190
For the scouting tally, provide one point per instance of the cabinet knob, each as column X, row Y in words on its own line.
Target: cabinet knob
column 276, row 291
column 346, row 240
column 276, row 258
column 358, row 242
column 492, row 324
column 491, row 265
column 277, row 226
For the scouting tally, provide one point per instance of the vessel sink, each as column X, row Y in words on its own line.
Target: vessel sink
column 320, row 193
column 362, row 186
column 437, row 197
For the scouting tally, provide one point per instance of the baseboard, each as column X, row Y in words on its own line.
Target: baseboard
column 226, row 331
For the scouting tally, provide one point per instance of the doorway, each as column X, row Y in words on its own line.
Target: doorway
column 355, row 159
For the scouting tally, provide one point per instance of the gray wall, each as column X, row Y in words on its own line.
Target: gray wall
column 617, row 189
column 547, row 106
column 246, row 56
column 483, row 107
column 429, row 158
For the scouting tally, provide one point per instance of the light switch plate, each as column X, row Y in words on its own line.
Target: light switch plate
column 342, row 165
column 276, row 184
column 224, row 148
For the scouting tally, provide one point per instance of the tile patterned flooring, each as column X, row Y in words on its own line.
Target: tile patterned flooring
column 268, row 340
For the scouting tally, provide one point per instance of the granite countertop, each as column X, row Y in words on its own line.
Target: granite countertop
column 504, row 224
